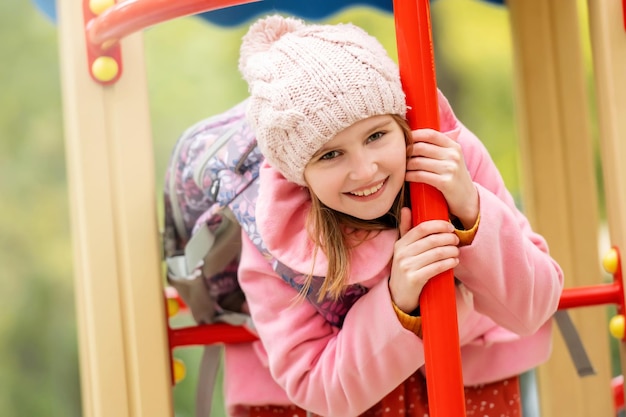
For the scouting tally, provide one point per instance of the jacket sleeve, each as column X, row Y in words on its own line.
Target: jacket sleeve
column 322, row 368
column 508, row 268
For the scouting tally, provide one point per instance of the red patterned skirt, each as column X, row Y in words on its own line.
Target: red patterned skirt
column 497, row 399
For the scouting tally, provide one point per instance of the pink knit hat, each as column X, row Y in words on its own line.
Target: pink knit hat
column 309, row 82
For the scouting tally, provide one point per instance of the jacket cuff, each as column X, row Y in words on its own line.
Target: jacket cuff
column 466, row 237
column 409, row 322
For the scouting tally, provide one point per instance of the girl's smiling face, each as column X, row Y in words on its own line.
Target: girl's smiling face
column 360, row 171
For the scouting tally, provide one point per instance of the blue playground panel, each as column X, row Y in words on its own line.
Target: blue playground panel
column 236, row 15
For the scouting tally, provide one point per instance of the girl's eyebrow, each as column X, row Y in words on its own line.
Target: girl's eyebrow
column 366, row 132
column 382, row 122
column 378, row 126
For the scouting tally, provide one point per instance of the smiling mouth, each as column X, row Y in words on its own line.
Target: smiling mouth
column 368, row 191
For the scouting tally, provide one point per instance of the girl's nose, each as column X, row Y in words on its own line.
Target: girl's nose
column 363, row 166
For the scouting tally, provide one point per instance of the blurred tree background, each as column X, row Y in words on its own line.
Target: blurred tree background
column 39, row 370
column 191, row 74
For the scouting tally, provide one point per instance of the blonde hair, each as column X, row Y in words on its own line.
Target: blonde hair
column 336, row 234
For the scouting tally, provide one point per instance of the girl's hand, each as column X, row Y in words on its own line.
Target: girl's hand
column 421, row 253
column 437, row 160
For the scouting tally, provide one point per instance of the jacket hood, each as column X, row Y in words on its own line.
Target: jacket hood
column 281, row 212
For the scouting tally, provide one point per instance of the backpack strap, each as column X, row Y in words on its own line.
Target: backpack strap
column 574, row 343
column 208, row 254
column 210, row 364
column 334, row 311
column 207, row 375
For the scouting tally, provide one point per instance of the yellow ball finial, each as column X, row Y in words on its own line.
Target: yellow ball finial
column 616, row 326
column 99, row 6
column 610, row 261
column 173, row 307
column 179, row 370
column 104, row 68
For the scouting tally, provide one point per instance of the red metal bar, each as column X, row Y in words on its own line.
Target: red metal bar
column 590, row 296
column 438, row 305
column 209, row 334
column 618, row 279
column 95, row 52
column 131, row 16
column 169, row 337
column 198, row 335
column 617, row 386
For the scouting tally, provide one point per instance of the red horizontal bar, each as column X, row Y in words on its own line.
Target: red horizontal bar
column 209, row 334
column 590, row 296
column 225, row 333
column 131, row 16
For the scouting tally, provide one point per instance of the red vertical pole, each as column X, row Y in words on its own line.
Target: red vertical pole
column 437, row 303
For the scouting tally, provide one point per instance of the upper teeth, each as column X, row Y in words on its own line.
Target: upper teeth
column 368, row 191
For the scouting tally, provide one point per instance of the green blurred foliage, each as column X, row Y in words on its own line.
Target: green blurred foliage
column 38, row 353
column 191, row 74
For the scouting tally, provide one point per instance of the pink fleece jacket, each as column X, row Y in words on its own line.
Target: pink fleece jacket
column 510, row 288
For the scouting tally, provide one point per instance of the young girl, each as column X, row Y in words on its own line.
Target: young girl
column 343, row 338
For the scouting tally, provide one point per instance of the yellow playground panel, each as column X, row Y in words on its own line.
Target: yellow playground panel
column 124, row 349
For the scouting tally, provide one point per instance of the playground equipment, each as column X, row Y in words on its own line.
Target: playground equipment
column 117, row 256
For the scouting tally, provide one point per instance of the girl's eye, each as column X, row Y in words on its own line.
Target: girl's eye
column 375, row 136
column 329, row 155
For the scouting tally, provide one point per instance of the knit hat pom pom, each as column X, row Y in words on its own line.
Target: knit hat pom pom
column 264, row 33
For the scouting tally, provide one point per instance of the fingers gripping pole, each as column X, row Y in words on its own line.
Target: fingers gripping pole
column 439, row 321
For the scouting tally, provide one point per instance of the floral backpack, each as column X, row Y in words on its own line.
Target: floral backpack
column 210, row 192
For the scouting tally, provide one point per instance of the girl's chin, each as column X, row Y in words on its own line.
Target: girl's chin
column 369, row 213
